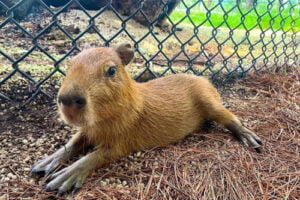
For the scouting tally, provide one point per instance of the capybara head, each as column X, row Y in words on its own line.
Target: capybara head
column 96, row 85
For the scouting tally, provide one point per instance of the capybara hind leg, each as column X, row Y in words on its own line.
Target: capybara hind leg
column 223, row 116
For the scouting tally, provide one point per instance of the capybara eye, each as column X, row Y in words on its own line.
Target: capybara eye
column 111, row 71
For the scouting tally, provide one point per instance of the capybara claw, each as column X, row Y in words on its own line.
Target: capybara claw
column 258, row 150
column 259, row 141
column 48, row 188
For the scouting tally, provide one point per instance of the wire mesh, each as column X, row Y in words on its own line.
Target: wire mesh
column 221, row 39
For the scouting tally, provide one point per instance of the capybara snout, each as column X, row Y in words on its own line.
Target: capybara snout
column 75, row 100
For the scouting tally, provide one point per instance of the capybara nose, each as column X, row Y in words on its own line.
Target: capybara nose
column 72, row 100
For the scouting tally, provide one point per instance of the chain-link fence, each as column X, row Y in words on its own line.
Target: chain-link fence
column 221, row 39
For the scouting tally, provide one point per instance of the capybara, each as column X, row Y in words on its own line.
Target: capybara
column 117, row 115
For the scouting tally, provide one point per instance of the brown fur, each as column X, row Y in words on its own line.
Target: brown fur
column 121, row 116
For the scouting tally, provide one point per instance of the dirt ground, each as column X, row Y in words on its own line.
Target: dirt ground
column 210, row 164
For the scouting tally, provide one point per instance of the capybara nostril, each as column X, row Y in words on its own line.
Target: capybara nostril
column 66, row 100
column 79, row 101
column 72, row 100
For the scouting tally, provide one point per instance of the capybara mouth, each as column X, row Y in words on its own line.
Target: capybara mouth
column 71, row 115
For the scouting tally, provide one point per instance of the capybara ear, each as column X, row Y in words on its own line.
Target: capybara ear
column 125, row 52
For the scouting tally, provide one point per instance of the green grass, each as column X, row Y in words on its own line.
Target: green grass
column 217, row 18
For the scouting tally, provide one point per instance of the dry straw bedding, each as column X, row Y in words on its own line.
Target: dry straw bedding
column 209, row 164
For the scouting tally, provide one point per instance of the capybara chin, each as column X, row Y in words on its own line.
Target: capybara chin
column 117, row 115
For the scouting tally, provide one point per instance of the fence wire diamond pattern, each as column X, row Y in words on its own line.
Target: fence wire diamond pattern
column 218, row 39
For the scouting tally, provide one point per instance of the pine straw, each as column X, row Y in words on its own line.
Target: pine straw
column 211, row 164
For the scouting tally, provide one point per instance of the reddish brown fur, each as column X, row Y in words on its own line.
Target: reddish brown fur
column 122, row 116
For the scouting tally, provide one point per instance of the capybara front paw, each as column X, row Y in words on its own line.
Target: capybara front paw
column 66, row 179
column 48, row 164
column 45, row 165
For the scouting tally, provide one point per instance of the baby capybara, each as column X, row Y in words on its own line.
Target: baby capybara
column 117, row 115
